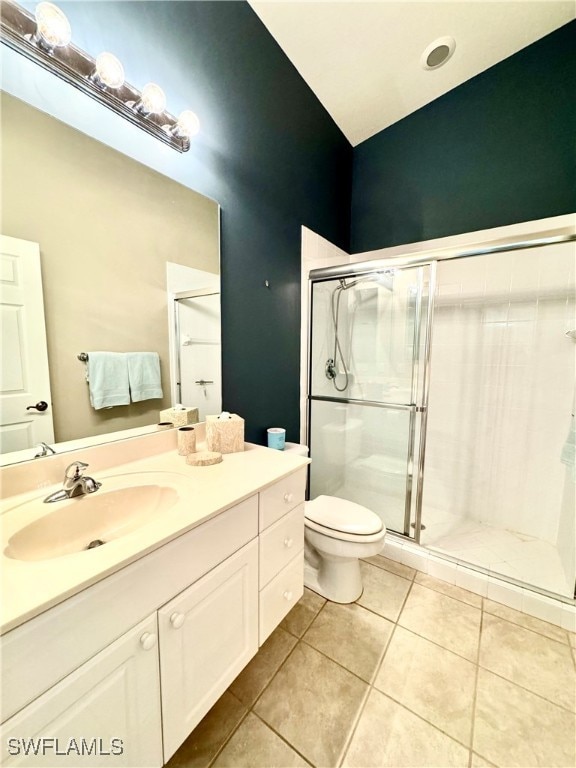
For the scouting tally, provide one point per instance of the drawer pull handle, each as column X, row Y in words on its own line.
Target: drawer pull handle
column 288, row 497
column 148, row 641
column 287, row 595
column 177, row 619
column 288, row 543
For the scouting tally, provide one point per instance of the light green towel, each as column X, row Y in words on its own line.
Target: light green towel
column 144, row 376
column 108, row 379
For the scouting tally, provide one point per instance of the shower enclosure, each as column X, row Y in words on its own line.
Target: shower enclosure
column 441, row 396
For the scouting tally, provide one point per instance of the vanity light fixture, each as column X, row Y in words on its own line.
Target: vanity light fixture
column 109, row 72
column 45, row 38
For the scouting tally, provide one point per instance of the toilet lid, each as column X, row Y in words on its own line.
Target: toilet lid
column 342, row 515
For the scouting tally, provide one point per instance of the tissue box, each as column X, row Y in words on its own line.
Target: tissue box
column 225, row 436
column 183, row 417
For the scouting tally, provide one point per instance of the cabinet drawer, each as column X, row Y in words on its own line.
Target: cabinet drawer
column 280, row 543
column 281, row 497
column 280, row 595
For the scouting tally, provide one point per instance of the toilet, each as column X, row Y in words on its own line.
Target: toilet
column 337, row 534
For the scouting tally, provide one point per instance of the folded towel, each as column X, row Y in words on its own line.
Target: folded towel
column 107, row 376
column 144, row 376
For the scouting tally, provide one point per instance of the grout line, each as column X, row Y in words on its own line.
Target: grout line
column 283, row 738
column 370, row 688
column 475, row 692
column 227, row 739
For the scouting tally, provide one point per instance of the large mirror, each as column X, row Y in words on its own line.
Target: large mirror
column 121, row 247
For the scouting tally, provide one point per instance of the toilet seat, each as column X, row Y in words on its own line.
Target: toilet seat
column 342, row 519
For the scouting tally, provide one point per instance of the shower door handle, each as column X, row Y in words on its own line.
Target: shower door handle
column 202, row 382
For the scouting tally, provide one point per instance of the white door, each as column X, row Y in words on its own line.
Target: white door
column 207, row 636
column 106, row 713
column 200, row 378
column 24, row 378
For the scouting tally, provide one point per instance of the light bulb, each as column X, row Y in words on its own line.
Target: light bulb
column 187, row 124
column 52, row 26
column 109, row 70
column 153, row 100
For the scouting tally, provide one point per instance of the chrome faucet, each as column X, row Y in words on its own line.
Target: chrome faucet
column 43, row 449
column 75, row 484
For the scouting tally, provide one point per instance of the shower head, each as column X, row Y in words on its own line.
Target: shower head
column 571, row 334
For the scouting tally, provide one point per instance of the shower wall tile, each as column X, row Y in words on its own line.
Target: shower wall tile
column 569, row 622
column 471, row 580
column 501, row 391
column 416, row 557
column 442, row 569
column 542, row 607
column 504, row 593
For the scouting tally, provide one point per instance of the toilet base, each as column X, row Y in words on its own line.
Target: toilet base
column 338, row 579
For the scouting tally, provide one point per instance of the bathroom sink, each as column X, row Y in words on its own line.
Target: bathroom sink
column 87, row 522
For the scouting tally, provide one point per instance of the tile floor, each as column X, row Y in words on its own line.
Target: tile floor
column 417, row 672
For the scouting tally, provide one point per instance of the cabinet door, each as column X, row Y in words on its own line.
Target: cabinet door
column 106, row 713
column 207, row 635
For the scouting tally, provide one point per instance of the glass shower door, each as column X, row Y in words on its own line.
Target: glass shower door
column 366, row 390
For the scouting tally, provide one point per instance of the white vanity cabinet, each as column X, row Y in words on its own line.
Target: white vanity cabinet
column 132, row 663
column 208, row 634
column 281, row 543
column 107, row 712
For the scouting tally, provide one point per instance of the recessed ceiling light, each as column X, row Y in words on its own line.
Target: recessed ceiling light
column 438, row 53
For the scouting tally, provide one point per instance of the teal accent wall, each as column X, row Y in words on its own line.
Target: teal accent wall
column 497, row 150
column 268, row 152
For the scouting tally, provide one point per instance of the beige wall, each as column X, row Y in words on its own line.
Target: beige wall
column 106, row 226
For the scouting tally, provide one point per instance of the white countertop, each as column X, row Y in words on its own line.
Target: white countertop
column 30, row 587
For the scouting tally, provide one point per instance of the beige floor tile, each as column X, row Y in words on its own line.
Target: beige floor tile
column 207, row 738
column 255, row 677
column 391, row 565
column 431, row 681
column 389, row 735
column 450, row 623
column 254, row 745
column 531, row 660
column 479, row 762
column 514, row 727
column 449, row 589
column 352, row 636
column 303, row 613
column 312, row 703
column 384, row 592
column 525, row 620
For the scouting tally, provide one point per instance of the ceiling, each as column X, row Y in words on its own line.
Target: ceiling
column 362, row 59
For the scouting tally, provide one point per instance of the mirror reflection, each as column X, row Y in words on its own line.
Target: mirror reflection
column 124, row 251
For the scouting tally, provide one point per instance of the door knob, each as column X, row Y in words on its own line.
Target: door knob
column 42, row 405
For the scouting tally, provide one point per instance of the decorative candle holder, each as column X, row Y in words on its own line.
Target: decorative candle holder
column 186, row 441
